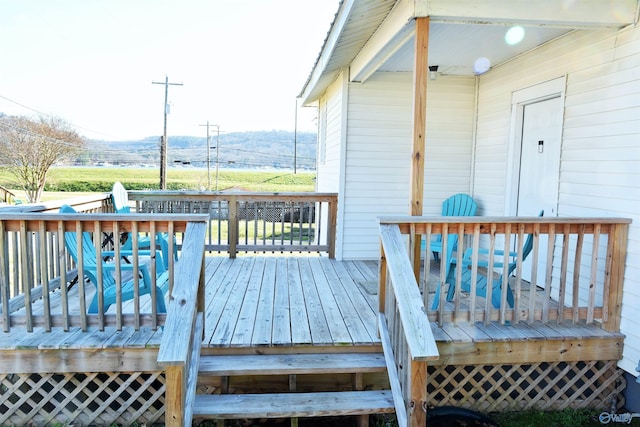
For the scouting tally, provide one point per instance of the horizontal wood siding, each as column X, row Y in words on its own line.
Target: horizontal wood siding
column 600, row 160
column 377, row 159
column 328, row 171
column 450, row 110
column 379, row 150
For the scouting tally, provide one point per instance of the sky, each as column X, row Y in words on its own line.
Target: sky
column 241, row 63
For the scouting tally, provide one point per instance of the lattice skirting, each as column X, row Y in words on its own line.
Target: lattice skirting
column 82, row 399
column 544, row 386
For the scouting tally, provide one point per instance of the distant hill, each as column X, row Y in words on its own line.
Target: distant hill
column 247, row 150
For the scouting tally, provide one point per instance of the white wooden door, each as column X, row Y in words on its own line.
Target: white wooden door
column 540, row 168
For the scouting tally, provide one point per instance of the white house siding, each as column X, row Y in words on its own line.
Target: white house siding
column 600, row 160
column 330, row 129
column 378, row 152
column 377, row 159
column 449, row 140
column 328, row 168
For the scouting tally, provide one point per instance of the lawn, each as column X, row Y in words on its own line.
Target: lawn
column 65, row 182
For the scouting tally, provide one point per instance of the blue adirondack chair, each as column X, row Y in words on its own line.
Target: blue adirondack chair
column 89, row 265
column 482, row 280
column 456, row 205
column 120, row 199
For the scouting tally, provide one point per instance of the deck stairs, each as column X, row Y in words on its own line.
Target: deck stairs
column 292, row 404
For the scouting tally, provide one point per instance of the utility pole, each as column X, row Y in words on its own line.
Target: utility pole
column 295, row 140
column 217, row 154
column 164, row 142
column 209, row 157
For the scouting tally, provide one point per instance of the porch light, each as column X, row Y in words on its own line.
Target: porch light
column 433, row 72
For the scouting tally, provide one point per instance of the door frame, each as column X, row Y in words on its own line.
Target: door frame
column 519, row 99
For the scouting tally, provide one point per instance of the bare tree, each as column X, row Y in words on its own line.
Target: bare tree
column 28, row 149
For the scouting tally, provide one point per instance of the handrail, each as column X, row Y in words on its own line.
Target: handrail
column 182, row 335
column 407, row 339
column 6, row 196
column 98, row 202
column 581, row 281
column 254, row 222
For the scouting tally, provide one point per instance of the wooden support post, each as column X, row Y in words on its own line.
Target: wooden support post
column 417, row 415
column 293, row 385
column 176, row 386
column 233, row 225
column 358, row 384
column 617, row 249
column 331, row 228
column 420, row 78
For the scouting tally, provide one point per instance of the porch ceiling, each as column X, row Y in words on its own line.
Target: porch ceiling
column 372, row 35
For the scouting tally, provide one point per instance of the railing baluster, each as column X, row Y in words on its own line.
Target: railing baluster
column 135, row 248
column 171, row 258
column 44, row 280
column 488, row 306
column 15, row 258
column 97, row 243
column 535, row 253
column 505, row 277
column 426, row 275
column 458, row 278
column 81, row 282
column 563, row 272
column 593, row 277
column 62, row 263
column 153, row 274
column 575, row 292
column 548, row 281
column 118, row 272
column 5, row 290
column 24, row 267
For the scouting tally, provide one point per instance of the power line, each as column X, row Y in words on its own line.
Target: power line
column 52, row 117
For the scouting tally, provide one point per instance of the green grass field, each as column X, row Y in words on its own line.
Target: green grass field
column 69, row 182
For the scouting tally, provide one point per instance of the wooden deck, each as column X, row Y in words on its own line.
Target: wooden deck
column 302, row 304
column 258, row 305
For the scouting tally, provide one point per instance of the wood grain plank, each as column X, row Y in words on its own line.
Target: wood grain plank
column 286, row 405
column 263, row 324
column 335, row 319
column 318, row 324
column 229, row 316
column 281, row 332
column 300, row 326
column 222, row 282
column 296, row 364
column 249, row 306
column 358, row 331
column 364, row 304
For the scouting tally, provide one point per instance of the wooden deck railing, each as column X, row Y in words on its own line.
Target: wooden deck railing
column 254, row 222
column 180, row 346
column 6, row 196
column 577, row 263
column 405, row 332
column 94, row 203
column 37, row 274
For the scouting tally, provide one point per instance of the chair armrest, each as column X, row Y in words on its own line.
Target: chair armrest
column 468, row 253
column 127, row 252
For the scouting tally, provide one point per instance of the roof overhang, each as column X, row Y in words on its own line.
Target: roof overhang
column 371, row 35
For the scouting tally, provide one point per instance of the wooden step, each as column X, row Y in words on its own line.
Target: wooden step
column 289, row 405
column 268, row 364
